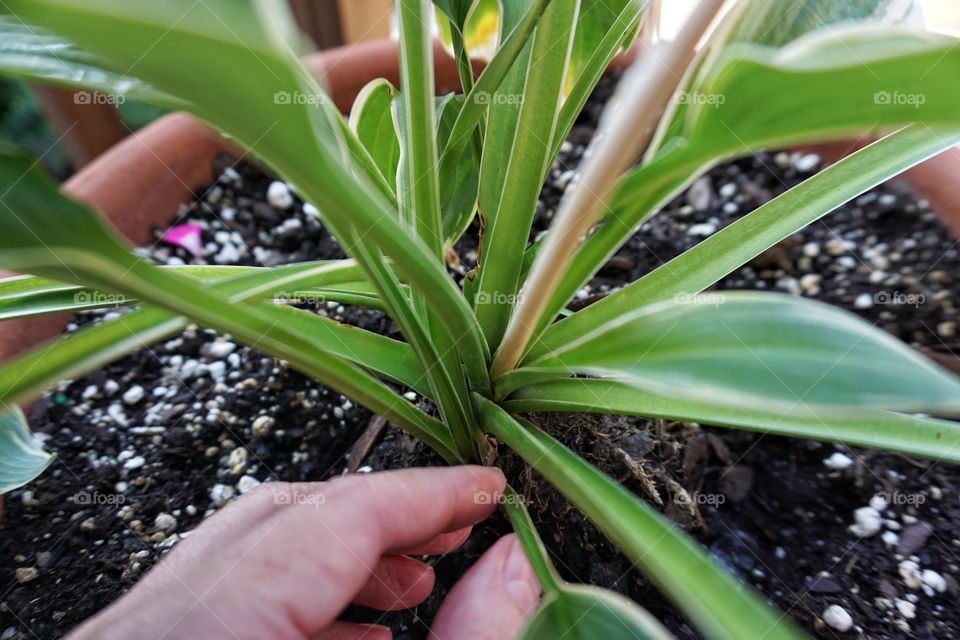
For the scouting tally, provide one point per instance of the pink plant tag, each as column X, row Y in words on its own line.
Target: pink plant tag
column 186, row 236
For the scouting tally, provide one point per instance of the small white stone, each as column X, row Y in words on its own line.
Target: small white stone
column 262, row 426
column 90, row 392
column 811, row 249
column 165, row 522
column 838, row 461
column 879, row 503
column 217, row 369
column 836, row 617
column 279, row 196
column 867, row 522
column 890, row 538
column 237, row 459
column 221, row 349
column 907, row 609
column 934, row 580
column 111, row 387
column 228, row 254
column 863, row 301
column 133, row 395
column 310, row 210
column 134, row 463
column 220, row 494
column 806, row 163
column 910, row 572
column 702, row 230
column 247, row 483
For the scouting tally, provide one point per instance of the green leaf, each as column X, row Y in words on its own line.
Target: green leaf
column 460, row 180
column 244, row 79
column 39, row 55
column 456, row 10
column 738, row 243
column 758, row 349
column 21, row 457
column 44, row 233
column 720, row 605
column 597, row 19
column 871, row 77
column 507, row 225
column 875, row 429
column 372, row 122
column 587, row 613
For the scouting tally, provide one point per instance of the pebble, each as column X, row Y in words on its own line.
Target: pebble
column 247, row 483
column 311, row 210
column 910, row 572
column 111, row 387
column 863, row 301
column 133, row 395
column 90, row 392
column 838, row 461
column 890, row 538
column 836, row 617
column 907, row 609
column 220, row 494
column 703, row 230
column 228, row 254
column 262, row 426
column 934, row 580
column 237, row 461
column 279, row 196
column 806, row 163
column 221, row 349
column 165, row 522
column 26, row 574
column 811, row 249
column 867, row 522
column 134, row 463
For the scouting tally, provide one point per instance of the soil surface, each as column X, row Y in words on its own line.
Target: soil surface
column 151, row 445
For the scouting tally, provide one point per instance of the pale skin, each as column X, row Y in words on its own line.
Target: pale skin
column 284, row 561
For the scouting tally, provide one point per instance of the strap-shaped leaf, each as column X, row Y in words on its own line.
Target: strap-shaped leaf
column 738, row 243
column 371, row 120
column 863, row 427
column 43, row 232
column 39, row 55
column 507, row 224
column 596, row 20
column 460, row 180
column 759, row 349
column 237, row 52
column 21, row 457
column 719, row 605
column 585, row 613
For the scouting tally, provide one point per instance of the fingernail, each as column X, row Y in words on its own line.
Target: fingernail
column 519, row 582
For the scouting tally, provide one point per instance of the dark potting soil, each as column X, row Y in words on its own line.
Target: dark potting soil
column 150, row 445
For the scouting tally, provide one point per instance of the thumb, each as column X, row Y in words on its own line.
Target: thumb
column 494, row 598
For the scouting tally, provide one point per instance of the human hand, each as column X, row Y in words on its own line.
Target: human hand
column 284, row 561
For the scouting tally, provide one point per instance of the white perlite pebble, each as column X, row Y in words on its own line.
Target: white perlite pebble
column 879, row 503
column 910, row 572
column 134, row 463
column 90, row 392
column 907, row 609
column 806, row 163
column 838, row 461
column 133, row 395
column 262, row 425
column 934, row 580
column 867, row 522
column 704, row 229
column 863, row 301
column 279, row 196
column 311, row 210
column 165, row 522
column 837, row 618
column 247, row 483
column 220, row 494
column 221, row 349
column 890, row 538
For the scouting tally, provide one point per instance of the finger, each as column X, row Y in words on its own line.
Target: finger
column 441, row 545
column 397, row 583
column 502, row 582
column 315, row 553
column 350, row 631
